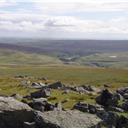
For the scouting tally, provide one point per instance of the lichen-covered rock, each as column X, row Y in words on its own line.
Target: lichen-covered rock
column 13, row 113
column 106, row 98
column 66, row 119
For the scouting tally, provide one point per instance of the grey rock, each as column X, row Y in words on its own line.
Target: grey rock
column 116, row 109
column 29, row 125
column 125, row 106
column 107, row 99
column 66, row 119
column 41, row 105
column 17, row 96
column 38, row 85
column 81, row 106
column 41, row 93
column 125, row 96
column 112, row 119
column 56, row 85
column 123, row 90
column 84, row 107
column 13, row 113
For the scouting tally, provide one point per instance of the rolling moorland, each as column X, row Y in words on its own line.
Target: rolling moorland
column 74, row 62
column 99, row 64
column 94, row 53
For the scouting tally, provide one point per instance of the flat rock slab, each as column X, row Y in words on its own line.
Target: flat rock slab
column 10, row 104
column 13, row 113
column 66, row 119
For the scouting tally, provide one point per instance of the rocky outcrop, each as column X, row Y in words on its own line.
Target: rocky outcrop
column 123, row 92
column 66, row 119
column 56, row 85
column 84, row 107
column 42, row 105
column 107, row 99
column 38, row 85
column 13, row 113
column 41, row 93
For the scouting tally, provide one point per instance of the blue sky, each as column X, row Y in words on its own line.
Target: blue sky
column 91, row 19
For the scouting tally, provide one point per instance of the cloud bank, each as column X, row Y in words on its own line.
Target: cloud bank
column 83, row 19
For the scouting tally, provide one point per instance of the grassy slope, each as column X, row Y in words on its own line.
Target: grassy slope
column 9, row 57
column 14, row 63
column 69, row 75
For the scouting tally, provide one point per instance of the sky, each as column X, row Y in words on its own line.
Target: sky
column 75, row 19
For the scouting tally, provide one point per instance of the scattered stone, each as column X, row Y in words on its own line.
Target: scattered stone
column 116, row 109
column 43, row 78
column 81, row 106
column 17, row 96
column 38, row 85
column 58, row 106
column 25, row 83
column 56, row 85
column 107, row 86
column 66, row 91
column 81, row 90
column 41, row 105
column 41, row 93
column 40, row 100
column 125, row 106
column 122, row 122
column 123, row 90
column 125, row 96
column 111, row 119
column 84, row 107
column 21, row 76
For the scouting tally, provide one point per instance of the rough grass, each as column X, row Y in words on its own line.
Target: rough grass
column 9, row 57
column 68, row 100
column 70, row 75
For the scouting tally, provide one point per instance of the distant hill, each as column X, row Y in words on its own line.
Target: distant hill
column 79, row 52
column 80, row 47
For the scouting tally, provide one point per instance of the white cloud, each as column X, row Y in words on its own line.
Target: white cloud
column 85, row 6
column 37, row 23
column 44, row 18
column 5, row 3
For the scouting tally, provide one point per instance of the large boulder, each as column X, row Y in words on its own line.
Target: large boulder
column 66, row 119
column 13, row 113
column 41, row 93
column 112, row 119
column 107, row 99
column 56, row 85
column 17, row 96
column 123, row 90
column 84, row 107
column 38, row 85
column 41, row 105
column 125, row 106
